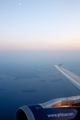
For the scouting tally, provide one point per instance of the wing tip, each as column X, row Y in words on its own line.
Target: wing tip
column 59, row 65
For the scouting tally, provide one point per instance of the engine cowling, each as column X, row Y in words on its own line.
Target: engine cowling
column 56, row 109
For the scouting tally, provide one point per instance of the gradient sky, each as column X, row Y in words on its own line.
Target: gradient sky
column 39, row 24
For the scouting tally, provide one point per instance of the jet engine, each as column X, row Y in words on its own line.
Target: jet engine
column 56, row 109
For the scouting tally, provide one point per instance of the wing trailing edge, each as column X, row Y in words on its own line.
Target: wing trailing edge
column 74, row 79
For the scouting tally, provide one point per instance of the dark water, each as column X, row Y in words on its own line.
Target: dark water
column 31, row 78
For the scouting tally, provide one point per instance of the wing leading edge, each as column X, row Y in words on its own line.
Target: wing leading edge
column 74, row 79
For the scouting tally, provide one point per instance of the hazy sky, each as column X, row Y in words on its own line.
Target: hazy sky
column 39, row 24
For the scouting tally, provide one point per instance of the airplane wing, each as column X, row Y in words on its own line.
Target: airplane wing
column 74, row 79
column 66, row 108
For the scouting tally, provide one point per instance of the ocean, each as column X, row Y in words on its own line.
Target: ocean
column 30, row 77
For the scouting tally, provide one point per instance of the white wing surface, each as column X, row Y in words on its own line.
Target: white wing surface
column 74, row 79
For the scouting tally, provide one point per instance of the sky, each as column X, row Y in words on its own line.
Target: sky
column 39, row 25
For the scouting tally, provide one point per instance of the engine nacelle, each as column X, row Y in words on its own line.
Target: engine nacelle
column 56, row 109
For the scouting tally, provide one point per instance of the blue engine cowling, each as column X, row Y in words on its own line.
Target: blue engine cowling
column 36, row 112
column 56, row 109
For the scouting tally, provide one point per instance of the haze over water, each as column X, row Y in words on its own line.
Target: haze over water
column 29, row 77
column 34, row 36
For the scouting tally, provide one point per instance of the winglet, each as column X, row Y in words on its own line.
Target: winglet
column 60, row 64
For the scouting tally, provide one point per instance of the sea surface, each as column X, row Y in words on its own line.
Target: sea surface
column 30, row 77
